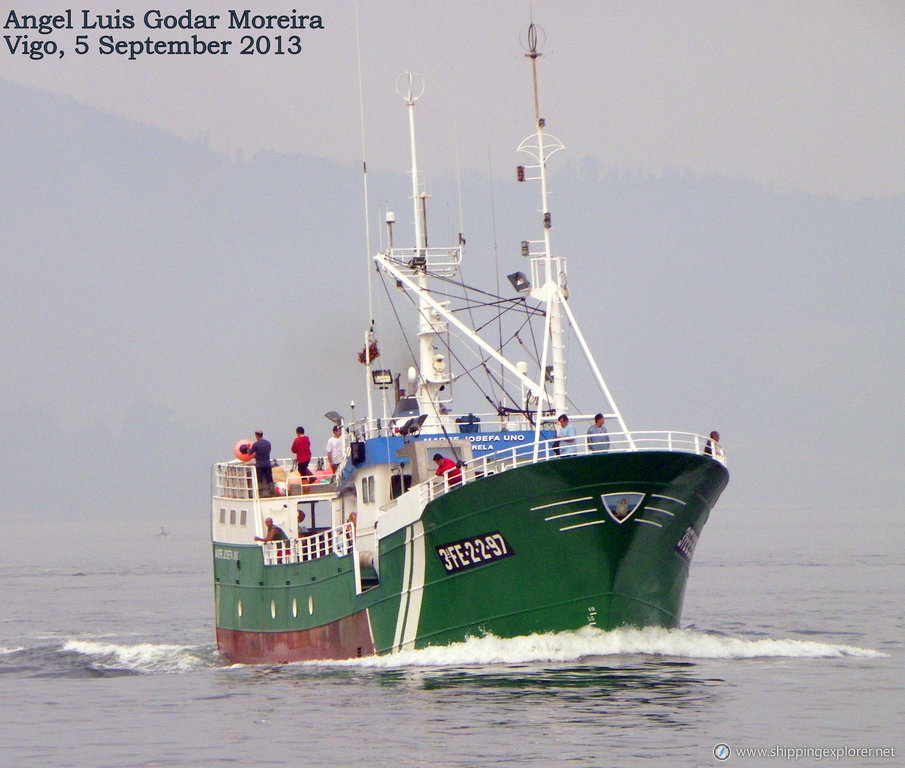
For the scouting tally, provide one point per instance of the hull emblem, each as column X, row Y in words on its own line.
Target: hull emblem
column 621, row 506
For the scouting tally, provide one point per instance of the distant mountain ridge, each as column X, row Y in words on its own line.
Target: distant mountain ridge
column 162, row 300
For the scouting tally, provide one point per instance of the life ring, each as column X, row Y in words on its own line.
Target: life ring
column 243, row 450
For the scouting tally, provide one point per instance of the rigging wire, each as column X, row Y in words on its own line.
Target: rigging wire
column 483, row 362
column 496, row 260
column 414, row 358
column 518, row 304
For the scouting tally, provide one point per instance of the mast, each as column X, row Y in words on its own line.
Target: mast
column 411, row 268
column 548, row 274
column 433, row 375
column 369, row 334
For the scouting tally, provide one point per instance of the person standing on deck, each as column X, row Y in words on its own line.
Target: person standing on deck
column 598, row 439
column 566, row 437
column 335, row 449
column 275, row 533
column 263, row 467
column 448, row 467
column 713, row 445
column 301, row 447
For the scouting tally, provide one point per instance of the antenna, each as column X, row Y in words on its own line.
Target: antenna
column 548, row 274
column 496, row 265
column 369, row 334
column 534, row 41
column 410, row 86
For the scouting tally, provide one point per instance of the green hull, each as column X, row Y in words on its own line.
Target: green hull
column 545, row 547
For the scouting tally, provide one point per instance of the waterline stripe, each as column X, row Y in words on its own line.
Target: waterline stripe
column 560, row 503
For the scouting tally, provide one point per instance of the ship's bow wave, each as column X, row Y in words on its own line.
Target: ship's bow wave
column 589, row 643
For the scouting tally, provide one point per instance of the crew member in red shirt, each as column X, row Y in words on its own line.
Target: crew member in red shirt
column 447, row 467
column 301, row 447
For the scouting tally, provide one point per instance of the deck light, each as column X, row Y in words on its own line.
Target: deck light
column 519, row 282
column 382, row 378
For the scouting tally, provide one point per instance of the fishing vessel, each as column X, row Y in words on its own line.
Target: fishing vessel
column 439, row 524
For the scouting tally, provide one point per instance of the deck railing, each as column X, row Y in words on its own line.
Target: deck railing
column 547, row 450
column 438, row 261
column 366, row 429
column 239, row 480
column 335, row 541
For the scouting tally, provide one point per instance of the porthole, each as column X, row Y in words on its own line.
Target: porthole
column 295, row 608
column 239, row 608
column 311, row 605
column 273, row 609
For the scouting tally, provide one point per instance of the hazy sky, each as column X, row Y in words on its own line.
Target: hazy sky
column 805, row 95
column 181, row 237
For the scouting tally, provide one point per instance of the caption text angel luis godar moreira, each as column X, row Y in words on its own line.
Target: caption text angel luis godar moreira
column 81, row 31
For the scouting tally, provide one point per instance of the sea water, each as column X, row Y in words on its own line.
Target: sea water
column 790, row 652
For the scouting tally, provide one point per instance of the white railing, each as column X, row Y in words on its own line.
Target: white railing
column 549, row 450
column 337, row 541
column 234, row 480
column 239, row 480
column 366, row 429
column 458, row 424
column 442, row 262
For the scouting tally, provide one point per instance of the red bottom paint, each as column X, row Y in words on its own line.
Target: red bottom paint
column 347, row 638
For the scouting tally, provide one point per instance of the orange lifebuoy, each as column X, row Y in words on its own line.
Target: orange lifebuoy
column 243, row 450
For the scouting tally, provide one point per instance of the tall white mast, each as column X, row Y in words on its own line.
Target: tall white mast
column 433, row 375
column 411, row 268
column 548, row 274
column 369, row 334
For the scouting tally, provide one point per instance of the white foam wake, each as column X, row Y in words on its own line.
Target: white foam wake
column 590, row 642
column 142, row 657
